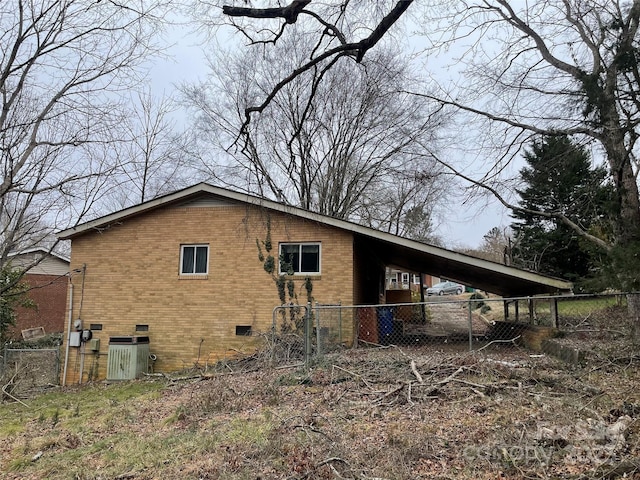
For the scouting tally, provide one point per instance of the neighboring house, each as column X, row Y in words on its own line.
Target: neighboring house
column 403, row 280
column 184, row 271
column 47, row 280
column 430, row 280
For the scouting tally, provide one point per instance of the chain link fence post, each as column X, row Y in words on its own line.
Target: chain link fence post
column 318, row 331
column 308, row 332
column 470, row 326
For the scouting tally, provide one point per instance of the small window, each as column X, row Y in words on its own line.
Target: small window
column 95, row 326
column 299, row 258
column 194, row 259
column 142, row 328
column 416, row 279
column 405, row 278
column 243, row 330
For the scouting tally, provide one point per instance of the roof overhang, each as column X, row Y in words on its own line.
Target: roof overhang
column 475, row 272
column 391, row 249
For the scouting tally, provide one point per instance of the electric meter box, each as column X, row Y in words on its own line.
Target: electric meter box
column 74, row 339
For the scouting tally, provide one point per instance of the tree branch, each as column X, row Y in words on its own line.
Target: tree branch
column 383, row 27
column 551, row 215
column 289, row 13
column 583, row 130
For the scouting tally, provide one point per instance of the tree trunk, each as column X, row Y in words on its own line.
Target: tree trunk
column 628, row 228
column 613, row 140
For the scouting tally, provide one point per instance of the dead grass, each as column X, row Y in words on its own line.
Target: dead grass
column 390, row 413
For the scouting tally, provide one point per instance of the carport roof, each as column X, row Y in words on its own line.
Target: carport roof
column 392, row 250
column 472, row 271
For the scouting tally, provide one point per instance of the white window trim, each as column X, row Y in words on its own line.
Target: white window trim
column 196, row 245
column 303, row 274
column 416, row 279
column 405, row 278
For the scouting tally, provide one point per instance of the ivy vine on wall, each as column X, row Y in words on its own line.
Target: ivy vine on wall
column 282, row 274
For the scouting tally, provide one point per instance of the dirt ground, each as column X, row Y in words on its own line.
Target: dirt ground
column 368, row 413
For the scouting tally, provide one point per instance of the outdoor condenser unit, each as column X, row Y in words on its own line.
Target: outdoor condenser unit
column 128, row 357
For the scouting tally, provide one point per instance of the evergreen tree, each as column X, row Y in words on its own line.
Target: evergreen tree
column 13, row 295
column 559, row 179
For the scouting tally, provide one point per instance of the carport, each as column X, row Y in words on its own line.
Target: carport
column 376, row 250
column 482, row 274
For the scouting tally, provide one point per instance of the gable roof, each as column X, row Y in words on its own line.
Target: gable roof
column 40, row 261
column 391, row 249
column 41, row 251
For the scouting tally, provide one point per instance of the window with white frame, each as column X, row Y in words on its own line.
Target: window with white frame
column 194, row 259
column 416, row 279
column 405, row 278
column 299, row 258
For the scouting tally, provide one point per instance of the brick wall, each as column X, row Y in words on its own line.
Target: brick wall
column 132, row 278
column 48, row 293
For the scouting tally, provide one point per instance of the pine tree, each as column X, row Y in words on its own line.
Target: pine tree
column 13, row 294
column 559, row 179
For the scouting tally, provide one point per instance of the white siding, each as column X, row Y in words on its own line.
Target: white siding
column 50, row 265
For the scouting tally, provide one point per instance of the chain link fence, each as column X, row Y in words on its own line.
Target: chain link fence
column 300, row 332
column 25, row 372
column 468, row 322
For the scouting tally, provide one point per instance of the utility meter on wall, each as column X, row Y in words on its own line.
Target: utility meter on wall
column 74, row 339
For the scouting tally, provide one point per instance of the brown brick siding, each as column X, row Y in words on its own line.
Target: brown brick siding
column 48, row 293
column 132, row 277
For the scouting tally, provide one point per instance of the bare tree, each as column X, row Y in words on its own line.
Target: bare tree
column 410, row 204
column 154, row 158
column 550, row 67
column 62, row 68
column 342, row 28
column 337, row 140
column 495, row 246
column 542, row 67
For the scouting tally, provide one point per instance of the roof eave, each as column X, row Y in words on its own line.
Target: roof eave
column 181, row 195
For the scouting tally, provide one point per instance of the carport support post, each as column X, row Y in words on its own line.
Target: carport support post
column 516, row 309
column 470, row 326
column 531, row 311
column 553, row 308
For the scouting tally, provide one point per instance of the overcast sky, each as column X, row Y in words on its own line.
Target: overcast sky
column 463, row 225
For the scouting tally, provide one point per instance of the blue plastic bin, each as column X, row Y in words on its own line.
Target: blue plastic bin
column 385, row 321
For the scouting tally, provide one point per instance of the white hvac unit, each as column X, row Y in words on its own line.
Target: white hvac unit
column 128, row 357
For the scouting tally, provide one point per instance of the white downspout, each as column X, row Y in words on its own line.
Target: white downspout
column 66, row 353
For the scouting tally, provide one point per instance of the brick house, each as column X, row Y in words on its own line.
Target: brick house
column 184, row 271
column 47, row 280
